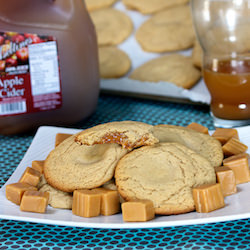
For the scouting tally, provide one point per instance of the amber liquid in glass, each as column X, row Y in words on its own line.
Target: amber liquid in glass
column 229, row 85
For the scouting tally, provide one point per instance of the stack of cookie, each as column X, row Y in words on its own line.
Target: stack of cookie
column 167, row 29
column 161, row 169
column 160, row 163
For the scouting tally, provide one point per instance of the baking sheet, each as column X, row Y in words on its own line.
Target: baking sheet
column 237, row 205
column 161, row 90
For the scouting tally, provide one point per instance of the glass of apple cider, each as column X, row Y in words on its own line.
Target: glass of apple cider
column 223, row 30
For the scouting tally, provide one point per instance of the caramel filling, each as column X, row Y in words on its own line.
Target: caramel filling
column 121, row 139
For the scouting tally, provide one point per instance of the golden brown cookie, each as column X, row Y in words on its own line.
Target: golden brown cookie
column 174, row 68
column 73, row 166
column 110, row 185
column 197, row 55
column 112, row 26
column 203, row 144
column 152, row 6
column 98, row 4
column 164, row 173
column 168, row 30
column 57, row 198
column 113, row 62
column 129, row 134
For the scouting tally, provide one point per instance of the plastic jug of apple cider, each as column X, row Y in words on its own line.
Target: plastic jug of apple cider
column 48, row 64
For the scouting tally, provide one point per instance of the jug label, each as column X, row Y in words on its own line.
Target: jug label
column 29, row 74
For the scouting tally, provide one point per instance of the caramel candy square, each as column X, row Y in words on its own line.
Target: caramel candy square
column 138, row 211
column 208, row 197
column 234, row 147
column 30, row 176
column 225, row 134
column 198, row 127
column 240, row 166
column 86, row 203
column 34, row 201
column 38, row 166
column 60, row 137
column 226, row 179
column 235, row 158
column 110, row 201
column 14, row 192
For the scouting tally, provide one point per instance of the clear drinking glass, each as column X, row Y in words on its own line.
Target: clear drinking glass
column 223, row 30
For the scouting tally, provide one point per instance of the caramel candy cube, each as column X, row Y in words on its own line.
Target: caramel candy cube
column 60, row 137
column 14, row 192
column 224, row 134
column 138, row 210
column 240, row 166
column 198, row 127
column 234, row 147
column 226, row 179
column 34, row 201
column 31, row 176
column 38, row 165
column 110, row 201
column 236, row 157
column 86, row 203
column 208, row 197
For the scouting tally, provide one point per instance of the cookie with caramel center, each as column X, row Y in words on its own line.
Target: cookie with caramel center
column 128, row 134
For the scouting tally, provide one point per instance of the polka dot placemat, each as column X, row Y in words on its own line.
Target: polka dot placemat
column 24, row 235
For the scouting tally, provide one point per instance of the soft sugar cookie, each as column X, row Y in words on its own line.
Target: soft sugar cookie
column 164, row 173
column 112, row 26
column 57, row 198
column 73, row 166
column 98, row 4
column 197, row 54
column 129, row 134
column 203, row 144
column 151, row 6
column 168, row 30
column 113, row 62
column 174, row 68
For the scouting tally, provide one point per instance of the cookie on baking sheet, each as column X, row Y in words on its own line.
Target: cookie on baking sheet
column 57, row 198
column 203, row 144
column 98, row 4
column 164, row 173
column 112, row 26
column 197, row 55
column 168, row 30
column 151, row 6
column 113, row 62
column 174, row 68
column 129, row 134
column 73, row 166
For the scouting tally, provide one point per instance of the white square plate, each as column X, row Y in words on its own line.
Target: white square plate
column 237, row 205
